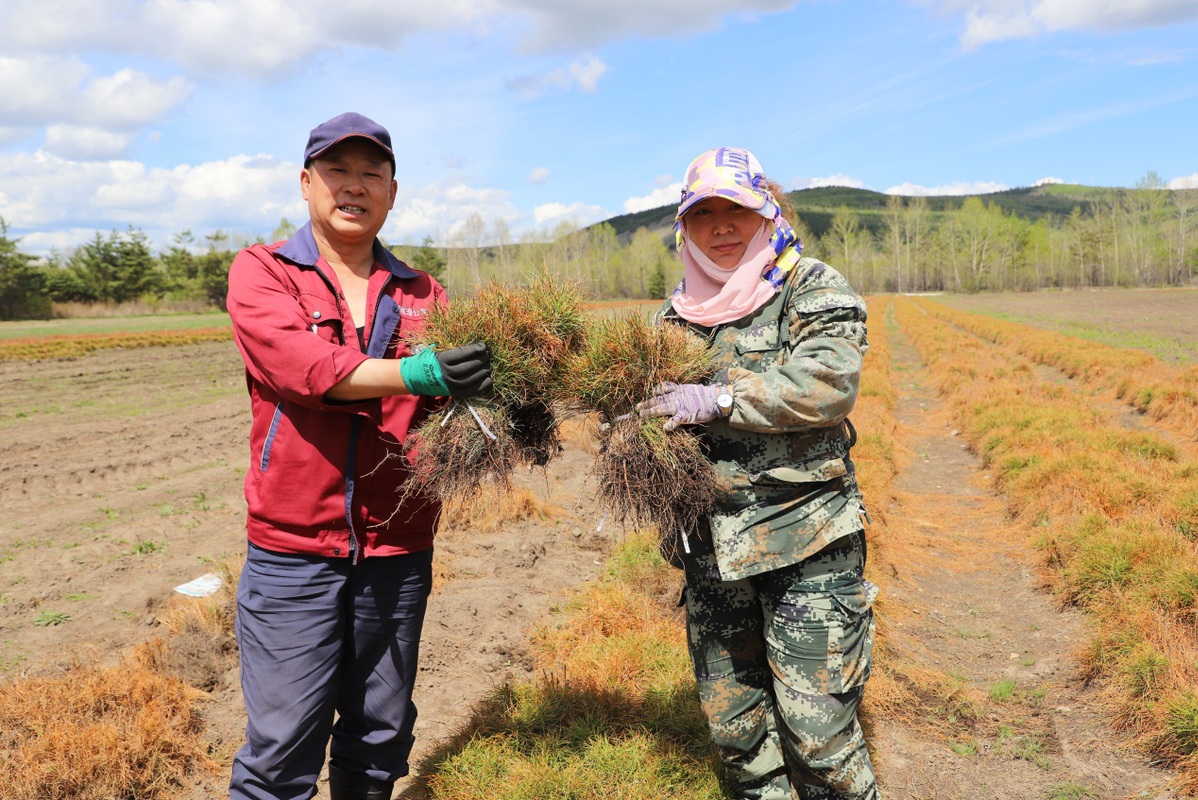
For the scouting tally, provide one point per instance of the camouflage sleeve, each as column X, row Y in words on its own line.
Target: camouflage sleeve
column 815, row 385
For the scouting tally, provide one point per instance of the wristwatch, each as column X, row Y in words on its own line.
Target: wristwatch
column 723, row 402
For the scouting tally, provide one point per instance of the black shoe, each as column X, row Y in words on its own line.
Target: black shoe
column 345, row 785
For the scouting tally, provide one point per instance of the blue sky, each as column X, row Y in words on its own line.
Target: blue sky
column 192, row 114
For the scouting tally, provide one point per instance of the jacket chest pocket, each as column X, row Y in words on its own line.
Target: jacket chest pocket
column 321, row 316
column 759, row 349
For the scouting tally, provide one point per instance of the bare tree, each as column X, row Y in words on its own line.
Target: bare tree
column 914, row 221
column 1186, row 202
column 469, row 239
column 505, row 256
column 646, row 256
column 894, row 239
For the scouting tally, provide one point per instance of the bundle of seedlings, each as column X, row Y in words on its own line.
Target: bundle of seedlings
column 646, row 476
column 528, row 331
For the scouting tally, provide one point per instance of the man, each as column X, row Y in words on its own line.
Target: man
column 332, row 597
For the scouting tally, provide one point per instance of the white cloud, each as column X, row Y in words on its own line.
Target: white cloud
column 558, row 24
column 586, row 74
column 993, row 20
column 580, row 214
column 1047, row 181
column 263, row 38
column 1148, row 58
column 583, row 75
column 538, row 175
column 50, row 91
column 64, row 240
column 46, row 196
column 130, row 99
column 1184, row 182
column 44, row 191
column 38, row 89
column 661, row 196
column 271, row 38
column 73, row 142
column 440, row 209
column 838, row 179
column 960, row 188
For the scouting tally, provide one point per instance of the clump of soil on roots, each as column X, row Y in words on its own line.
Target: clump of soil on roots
column 646, row 476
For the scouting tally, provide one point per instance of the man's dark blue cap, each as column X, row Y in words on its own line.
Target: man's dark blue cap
column 346, row 126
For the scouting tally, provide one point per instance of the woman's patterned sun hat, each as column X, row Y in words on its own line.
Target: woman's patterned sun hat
column 730, row 172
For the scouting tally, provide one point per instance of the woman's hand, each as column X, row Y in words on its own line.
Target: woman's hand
column 687, row 403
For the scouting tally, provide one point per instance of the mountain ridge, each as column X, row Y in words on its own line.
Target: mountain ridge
column 816, row 206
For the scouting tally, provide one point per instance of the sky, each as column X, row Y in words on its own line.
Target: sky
column 192, row 115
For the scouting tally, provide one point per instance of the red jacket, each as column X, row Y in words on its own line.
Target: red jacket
column 325, row 478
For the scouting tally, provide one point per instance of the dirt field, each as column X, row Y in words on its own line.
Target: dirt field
column 1161, row 321
column 120, row 478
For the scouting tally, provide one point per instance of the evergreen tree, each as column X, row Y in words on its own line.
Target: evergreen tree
column 22, row 292
column 117, row 269
column 179, row 264
column 429, row 260
column 212, row 272
column 657, row 281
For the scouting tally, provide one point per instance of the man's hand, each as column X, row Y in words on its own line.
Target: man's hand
column 685, row 403
column 466, row 369
column 456, row 372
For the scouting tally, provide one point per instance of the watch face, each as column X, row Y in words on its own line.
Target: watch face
column 724, row 401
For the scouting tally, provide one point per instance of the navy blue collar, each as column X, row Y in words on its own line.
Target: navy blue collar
column 301, row 249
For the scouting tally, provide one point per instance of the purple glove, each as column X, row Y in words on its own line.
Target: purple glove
column 684, row 403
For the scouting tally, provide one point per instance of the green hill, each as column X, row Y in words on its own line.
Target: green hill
column 816, row 206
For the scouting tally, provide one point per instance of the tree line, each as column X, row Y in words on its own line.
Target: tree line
column 121, row 267
column 1146, row 236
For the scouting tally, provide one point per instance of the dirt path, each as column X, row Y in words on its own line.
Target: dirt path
column 978, row 608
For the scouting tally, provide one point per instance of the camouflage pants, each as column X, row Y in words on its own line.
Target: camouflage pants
column 781, row 661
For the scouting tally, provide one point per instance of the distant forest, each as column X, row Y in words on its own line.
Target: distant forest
column 1050, row 236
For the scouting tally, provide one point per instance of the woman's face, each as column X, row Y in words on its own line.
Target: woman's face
column 722, row 229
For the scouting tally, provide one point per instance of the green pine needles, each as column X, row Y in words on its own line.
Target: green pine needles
column 550, row 358
column 528, row 331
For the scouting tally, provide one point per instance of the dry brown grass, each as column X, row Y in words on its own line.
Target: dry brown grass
column 611, row 714
column 615, row 637
column 1165, row 393
column 101, row 733
column 202, row 645
column 490, row 510
column 74, row 346
column 1111, row 513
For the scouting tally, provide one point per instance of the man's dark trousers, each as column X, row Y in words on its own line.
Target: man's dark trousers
column 322, row 638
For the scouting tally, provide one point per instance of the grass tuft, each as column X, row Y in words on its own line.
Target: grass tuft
column 646, row 476
column 528, row 330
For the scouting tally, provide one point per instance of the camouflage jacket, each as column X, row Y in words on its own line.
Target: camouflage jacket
column 786, row 483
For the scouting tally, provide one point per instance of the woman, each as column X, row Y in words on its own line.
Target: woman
column 779, row 614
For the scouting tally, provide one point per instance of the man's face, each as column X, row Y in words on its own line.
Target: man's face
column 349, row 189
column 722, row 229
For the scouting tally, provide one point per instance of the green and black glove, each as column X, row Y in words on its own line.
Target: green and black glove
column 457, row 372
